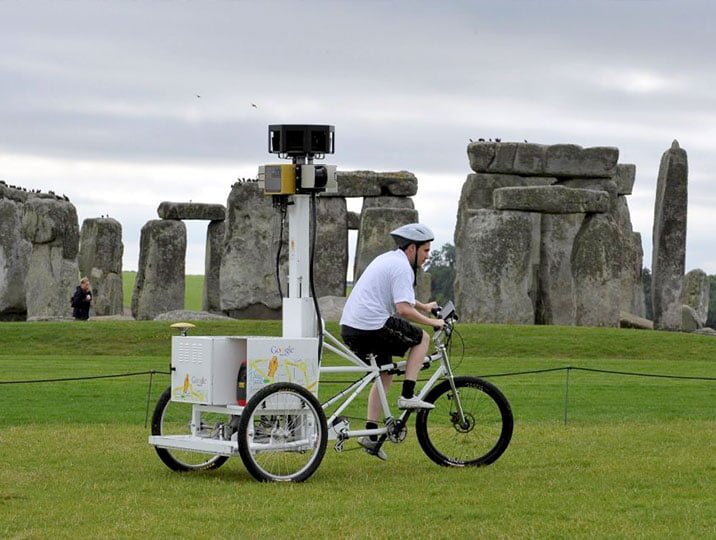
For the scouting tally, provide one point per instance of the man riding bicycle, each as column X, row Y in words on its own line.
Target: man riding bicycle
column 377, row 317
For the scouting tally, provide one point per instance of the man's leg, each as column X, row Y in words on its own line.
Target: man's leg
column 416, row 357
column 374, row 405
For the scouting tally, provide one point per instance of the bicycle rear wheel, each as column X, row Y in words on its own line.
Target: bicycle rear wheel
column 481, row 439
column 282, row 434
column 172, row 418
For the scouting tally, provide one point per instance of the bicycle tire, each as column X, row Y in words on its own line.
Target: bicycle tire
column 485, row 436
column 282, row 434
column 172, row 418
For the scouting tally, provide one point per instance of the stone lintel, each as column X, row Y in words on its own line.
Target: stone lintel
column 551, row 199
column 191, row 210
column 530, row 159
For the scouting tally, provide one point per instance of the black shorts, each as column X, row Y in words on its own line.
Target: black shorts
column 394, row 339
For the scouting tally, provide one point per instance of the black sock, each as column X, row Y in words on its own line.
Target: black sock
column 372, row 425
column 408, row 389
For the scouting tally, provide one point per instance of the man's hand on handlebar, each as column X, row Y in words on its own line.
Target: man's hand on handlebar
column 432, row 307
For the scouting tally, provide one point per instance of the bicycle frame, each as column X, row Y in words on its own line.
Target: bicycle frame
column 372, row 374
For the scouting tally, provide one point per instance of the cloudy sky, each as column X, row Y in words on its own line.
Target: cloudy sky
column 124, row 104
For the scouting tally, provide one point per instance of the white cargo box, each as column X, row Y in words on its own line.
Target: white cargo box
column 205, row 369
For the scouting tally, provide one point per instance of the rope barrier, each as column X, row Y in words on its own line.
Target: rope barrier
column 486, row 375
column 568, row 369
column 88, row 378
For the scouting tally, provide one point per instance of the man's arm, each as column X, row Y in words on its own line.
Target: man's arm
column 408, row 312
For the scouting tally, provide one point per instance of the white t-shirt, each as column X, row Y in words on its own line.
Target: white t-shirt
column 386, row 281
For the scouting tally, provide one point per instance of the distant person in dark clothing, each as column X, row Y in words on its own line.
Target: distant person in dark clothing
column 81, row 300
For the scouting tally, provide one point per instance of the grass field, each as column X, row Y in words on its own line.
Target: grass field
column 193, row 290
column 636, row 459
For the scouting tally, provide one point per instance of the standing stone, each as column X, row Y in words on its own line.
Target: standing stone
column 51, row 225
column 557, row 301
column 669, row 238
column 159, row 286
column 374, row 235
column 15, row 253
column 634, row 277
column 632, row 298
column 597, row 266
column 496, row 266
column 211, row 299
column 695, row 293
column 100, row 259
column 353, row 222
column 331, row 255
column 247, row 279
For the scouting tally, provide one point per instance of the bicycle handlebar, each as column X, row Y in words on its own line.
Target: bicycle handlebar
column 446, row 313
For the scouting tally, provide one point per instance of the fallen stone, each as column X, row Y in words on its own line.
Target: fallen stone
column 629, row 320
column 696, row 293
column 689, row 319
column 705, row 331
column 188, row 315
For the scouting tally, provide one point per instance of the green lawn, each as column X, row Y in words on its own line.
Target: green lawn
column 193, row 290
column 635, row 459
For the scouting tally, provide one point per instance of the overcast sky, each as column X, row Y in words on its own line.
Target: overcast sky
column 124, row 104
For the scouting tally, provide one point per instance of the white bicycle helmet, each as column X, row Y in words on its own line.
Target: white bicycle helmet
column 412, row 233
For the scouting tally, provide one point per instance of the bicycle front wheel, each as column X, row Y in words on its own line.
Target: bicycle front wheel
column 480, row 439
column 282, row 434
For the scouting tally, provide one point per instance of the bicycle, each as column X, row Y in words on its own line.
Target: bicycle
column 281, row 434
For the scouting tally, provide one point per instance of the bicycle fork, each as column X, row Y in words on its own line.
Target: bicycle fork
column 451, row 379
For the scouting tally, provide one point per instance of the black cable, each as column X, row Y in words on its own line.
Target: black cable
column 282, row 217
column 310, row 275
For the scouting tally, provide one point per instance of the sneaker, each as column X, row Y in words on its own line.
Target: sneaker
column 413, row 403
column 372, row 448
